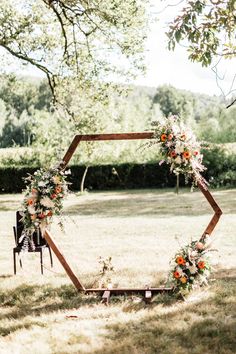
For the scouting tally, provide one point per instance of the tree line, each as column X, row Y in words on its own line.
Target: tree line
column 28, row 118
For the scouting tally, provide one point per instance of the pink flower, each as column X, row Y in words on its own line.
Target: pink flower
column 199, row 246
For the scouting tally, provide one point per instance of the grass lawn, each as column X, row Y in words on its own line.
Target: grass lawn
column 141, row 230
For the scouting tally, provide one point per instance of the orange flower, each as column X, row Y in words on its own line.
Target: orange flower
column 163, row 137
column 176, row 274
column 201, row 265
column 49, row 213
column 30, row 201
column 58, row 189
column 173, row 154
column 33, row 217
column 187, row 155
column 170, row 136
column 180, row 260
column 183, row 280
column 34, row 191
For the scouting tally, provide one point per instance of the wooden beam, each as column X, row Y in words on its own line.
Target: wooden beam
column 218, row 212
column 71, row 150
column 120, row 136
column 63, row 261
column 118, row 291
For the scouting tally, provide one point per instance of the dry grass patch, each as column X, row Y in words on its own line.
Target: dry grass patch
column 136, row 229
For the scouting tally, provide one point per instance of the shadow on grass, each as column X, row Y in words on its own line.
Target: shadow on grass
column 35, row 300
column 166, row 326
column 149, row 203
column 6, row 276
column 205, row 325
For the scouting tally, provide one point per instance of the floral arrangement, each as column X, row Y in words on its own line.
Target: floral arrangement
column 43, row 198
column 191, row 266
column 179, row 148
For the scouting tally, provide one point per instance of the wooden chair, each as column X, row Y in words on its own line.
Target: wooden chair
column 39, row 242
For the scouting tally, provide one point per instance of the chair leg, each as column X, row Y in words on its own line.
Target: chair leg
column 20, row 261
column 41, row 260
column 50, row 254
column 14, row 261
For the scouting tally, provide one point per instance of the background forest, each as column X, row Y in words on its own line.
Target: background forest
column 34, row 134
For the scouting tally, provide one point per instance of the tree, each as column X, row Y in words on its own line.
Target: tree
column 177, row 102
column 82, row 40
column 208, row 27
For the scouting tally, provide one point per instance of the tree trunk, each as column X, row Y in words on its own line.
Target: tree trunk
column 83, row 179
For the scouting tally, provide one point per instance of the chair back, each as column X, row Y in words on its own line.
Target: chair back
column 37, row 236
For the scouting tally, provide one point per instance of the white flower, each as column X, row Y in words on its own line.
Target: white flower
column 193, row 254
column 47, row 202
column 192, row 269
column 179, row 148
column 31, row 209
column 178, row 160
column 42, row 184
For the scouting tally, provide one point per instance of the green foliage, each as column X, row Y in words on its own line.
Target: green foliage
column 221, row 166
column 217, row 124
column 176, row 102
column 75, row 41
column 208, row 26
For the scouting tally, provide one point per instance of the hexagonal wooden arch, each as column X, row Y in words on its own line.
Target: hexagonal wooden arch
column 147, row 292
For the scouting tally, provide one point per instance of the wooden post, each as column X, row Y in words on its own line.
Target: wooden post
column 106, row 297
column 148, row 296
column 63, row 261
column 218, row 212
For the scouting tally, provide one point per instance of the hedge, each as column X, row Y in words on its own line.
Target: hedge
column 105, row 177
column 221, row 171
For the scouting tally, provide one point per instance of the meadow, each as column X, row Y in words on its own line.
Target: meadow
column 141, row 230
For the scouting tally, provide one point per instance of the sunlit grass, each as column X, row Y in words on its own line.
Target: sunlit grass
column 141, row 230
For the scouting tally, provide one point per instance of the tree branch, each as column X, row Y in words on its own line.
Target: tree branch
column 49, row 74
column 231, row 104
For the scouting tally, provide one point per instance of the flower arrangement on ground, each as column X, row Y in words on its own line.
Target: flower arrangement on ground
column 43, row 198
column 179, row 148
column 191, row 266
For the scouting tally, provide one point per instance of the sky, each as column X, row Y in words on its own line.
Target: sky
column 173, row 67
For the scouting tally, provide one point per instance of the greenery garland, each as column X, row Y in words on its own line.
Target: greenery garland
column 43, row 198
column 179, row 148
column 190, row 267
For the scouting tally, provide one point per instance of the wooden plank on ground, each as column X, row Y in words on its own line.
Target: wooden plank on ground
column 117, row 291
column 63, row 261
